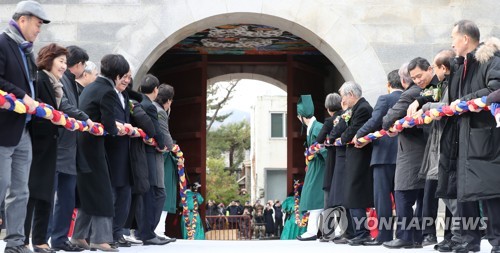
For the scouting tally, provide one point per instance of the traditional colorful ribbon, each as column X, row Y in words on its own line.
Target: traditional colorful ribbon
column 477, row 104
column 42, row 110
column 296, row 197
column 11, row 103
column 311, row 151
column 190, row 226
column 495, row 110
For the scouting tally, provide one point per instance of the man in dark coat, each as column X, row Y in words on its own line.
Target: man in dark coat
column 411, row 146
column 441, row 65
column 383, row 160
column 118, row 156
column 358, row 186
column 17, row 76
column 65, row 182
column 479, row 152
column 154, row 198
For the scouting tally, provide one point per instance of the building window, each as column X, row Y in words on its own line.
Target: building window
column 278, row 125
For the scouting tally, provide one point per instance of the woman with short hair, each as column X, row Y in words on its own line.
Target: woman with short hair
column 51, row 64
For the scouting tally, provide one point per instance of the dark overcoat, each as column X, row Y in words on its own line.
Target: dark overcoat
column 118, row 147
column 411, row 143
column 13, row 79
column 336, row 194
column 479, row 138
column 152, row 112
column 358, row 185
column 330, row 159
column 93, row 180
column 44, row 142
column 139, row 118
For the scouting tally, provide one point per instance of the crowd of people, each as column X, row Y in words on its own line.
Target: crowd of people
column 454, row 158
column 116, row 182
column 253, row 221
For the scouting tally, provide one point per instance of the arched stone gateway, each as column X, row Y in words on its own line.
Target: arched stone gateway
column 336, row 38
column 329, row 32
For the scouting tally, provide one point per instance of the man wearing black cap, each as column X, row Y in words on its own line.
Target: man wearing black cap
column 17, row 75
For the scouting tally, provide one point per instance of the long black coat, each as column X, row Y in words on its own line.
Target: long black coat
column 358, row 185
column 117, row 147
column 13, row 79
column 479, row 152
column 44, row 142
column 138, row 159
column 330, row 161
column 152, row 112
column 93, row 180
column 336, row 194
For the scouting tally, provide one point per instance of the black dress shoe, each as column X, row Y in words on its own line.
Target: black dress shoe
column 442, row 243
column 17, row 249
column 42, row 250
column 398, row 244
column 340, row 240
column 154, row 241
column 448, row 247
column 68, row 246
column 495, row 249
column 122, row 243
column 429, row 239
column 373, row 242
column 358, row 241
column 466, row 247
column 323, row 239
column 312, row 238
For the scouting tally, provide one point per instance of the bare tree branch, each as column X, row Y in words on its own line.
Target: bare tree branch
column 217, row 106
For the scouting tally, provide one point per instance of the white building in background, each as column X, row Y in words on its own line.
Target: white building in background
column 268, row 149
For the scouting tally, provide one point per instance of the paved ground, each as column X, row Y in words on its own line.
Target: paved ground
column 274, row 246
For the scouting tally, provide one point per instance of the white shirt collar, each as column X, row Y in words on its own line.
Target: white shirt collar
column 311, row 121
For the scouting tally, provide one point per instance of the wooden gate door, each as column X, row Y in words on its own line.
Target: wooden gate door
column 187, row 122
column 302, row 79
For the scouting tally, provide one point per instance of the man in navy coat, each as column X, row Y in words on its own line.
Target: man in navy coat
column 383, row 159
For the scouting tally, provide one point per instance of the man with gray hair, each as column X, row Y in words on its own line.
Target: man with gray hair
column 90, row 73
column 409, row 188
column 358, row 185
column 477, row 75
column 17, row 76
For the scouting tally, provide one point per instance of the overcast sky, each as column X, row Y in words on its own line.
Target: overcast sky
column 246, row 92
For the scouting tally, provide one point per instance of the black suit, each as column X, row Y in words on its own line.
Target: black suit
column 154, row 198
column 13, row 79
column 383, row 162
column 15, row 144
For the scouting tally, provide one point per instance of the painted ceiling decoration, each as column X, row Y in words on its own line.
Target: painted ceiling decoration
column 244, row 39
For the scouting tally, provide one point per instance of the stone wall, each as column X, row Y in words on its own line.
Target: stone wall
column 364, row 39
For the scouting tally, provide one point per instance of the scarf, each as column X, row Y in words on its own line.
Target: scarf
column 57, row 86
column 14, row 32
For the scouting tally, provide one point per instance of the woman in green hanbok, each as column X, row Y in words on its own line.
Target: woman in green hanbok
column 192, row 195
column 291, row 230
